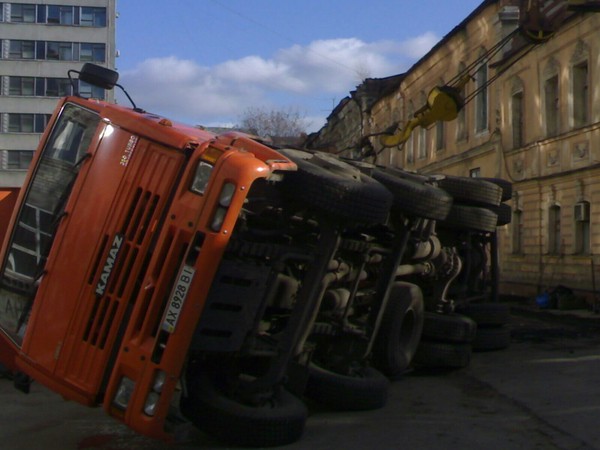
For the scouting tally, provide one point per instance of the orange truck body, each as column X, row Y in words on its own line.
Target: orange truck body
column 106, row 305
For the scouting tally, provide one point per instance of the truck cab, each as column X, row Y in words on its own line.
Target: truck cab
column 120, row 222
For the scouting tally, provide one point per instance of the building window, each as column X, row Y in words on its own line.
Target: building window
column 581, row 214
column 554, row 238
column 88, row 91
column 21, row 86
column 517, row 119
column 580, row 95
column 18, row 159
column 92, row 52
column 517, row 231
column 422, row 149
column 61, row 51
column 481, row 100
column 461, row 119
column 27, row 123
column 410, row 149
column 58, row 87
column 475, row 173
column 440, row 138
column 60, row 15
column 93, row 17
column 422, row 133
column 20, row 123
column 22, row 12
column 58, row 51
column 551, row 105
column 21, row 49
column 410, row 143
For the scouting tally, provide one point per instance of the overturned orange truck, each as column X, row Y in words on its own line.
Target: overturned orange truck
column 169, row 274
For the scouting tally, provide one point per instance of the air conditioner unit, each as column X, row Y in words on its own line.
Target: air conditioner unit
column 582, row 212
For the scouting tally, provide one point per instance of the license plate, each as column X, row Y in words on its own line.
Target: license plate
column 177, row 298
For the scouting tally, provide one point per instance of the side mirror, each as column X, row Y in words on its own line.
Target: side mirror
column 98, row 76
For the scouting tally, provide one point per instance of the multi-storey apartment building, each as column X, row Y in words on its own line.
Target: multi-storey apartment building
column 39, row 43
column 537, row 125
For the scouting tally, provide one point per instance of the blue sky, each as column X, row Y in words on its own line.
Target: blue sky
column 206, row 61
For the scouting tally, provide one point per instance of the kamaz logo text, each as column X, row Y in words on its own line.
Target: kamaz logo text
column 109, row 265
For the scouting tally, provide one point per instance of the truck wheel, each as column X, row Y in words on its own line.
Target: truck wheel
column 336, row 188
column 449, row 328
column 471, row 218
column 400, row 331
column 279, row 420
column 487, row 314
column 504, row 213
column 406, row 175
column 505, row 185
column 364, row 390
column 471, row 191
column 443, row 355
column 414, row 198
column 492, row 338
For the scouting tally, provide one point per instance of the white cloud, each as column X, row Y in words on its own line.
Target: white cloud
column 297, row 76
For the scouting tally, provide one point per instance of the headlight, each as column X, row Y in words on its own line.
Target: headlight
column 218, row 218
column 225, row 198
column 226, row 195
column 201, row 177
column 124, row 393
column 159, row 381
column 151, row 403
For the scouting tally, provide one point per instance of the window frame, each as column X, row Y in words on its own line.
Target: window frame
column 581, row 94
column 481, row 100
column 551, row 91
column 554, row 230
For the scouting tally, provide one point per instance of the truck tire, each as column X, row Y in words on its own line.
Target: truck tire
column 504, row 213
column 448, row 328
column 471, row 191
column 470, row 218
column 400, row 331
column 335, row 188
column 505, row 185
column 279, row 421
column 487, row 314
column 443, row 355
column 415, row 198
column 406, row 175
column 366, row 389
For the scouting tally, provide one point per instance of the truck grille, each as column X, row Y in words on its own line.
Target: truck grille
column 125, row 272
column 123, row 258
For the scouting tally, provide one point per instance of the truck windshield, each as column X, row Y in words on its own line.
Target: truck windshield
column 40, row 214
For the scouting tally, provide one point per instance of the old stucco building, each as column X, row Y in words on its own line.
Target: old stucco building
column 536, row 125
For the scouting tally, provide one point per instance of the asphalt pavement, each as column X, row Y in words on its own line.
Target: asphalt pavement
column 543, row 392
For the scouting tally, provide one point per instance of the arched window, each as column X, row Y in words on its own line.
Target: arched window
column 517, row 113
column 551, row 99
column 580, row 86
column 581, row 213
column 554, row 237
